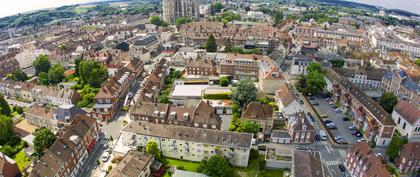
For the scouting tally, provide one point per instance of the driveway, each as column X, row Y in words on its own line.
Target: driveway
column 342, row 126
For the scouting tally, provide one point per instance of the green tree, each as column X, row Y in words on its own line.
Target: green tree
column 314, row 67
column 4, row 106
column 44, row 138
column 182, row 20
column 216, row 166
column 19, row 75
column 244, row 93
column 56, row 74
column 228, row 45
column 278, row 17
column 6, row 131
column 388, row 101
column 211, row 44
column 337, row 63
column 41, row 64
column 394, row 147
column 217, row 7
column 152, row 148
column 18, row 109
column 92, row 73
column 43, row 78
column 417, row 62
column 224, row 81
column 156, row 20
column 248, row 127
column 314, row 82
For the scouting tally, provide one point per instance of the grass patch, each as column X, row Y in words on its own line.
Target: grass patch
column 22, row 160
column 81, row 10
column 256, row 168
column 188, row 166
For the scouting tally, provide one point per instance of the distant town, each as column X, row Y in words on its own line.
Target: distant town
column 189, row 88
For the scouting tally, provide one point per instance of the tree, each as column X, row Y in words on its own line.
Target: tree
column 278, row 17
column 41, row 64
column 417, row 62
column 216, row 8
column 314, row 82
column 43, row 78
column 244, row 93
column 337, row 63
column 388, row 101
column 182, row 20
column 19, row 75
column 152, row 148
column 248, row 127
column 18, row 109
column 314, row 66
column 211, row 44
column 224, row 81
column 217, row 166
column 394, row 147
column 156, row 20
column 6, row 130
column 4, row 106
column 56, row 74
column 228, row 45
column 44, row 138
column 92, row 73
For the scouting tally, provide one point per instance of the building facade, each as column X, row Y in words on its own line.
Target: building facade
column 409, row 159
column 403, row 86
column 407, row 118
column 174, row 9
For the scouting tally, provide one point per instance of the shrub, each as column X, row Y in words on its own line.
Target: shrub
column 180, row 167
column 219, row 96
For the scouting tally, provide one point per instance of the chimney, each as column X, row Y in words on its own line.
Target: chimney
column 186, row 116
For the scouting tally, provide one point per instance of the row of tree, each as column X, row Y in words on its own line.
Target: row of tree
column 47, row 74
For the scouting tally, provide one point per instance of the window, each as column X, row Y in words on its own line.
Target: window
column 399, row 120
column 404, row 125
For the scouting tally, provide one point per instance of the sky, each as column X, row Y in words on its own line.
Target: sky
column 407, row 5
column 12, row 7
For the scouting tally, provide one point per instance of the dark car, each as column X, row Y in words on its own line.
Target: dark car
column 346, row 119
column 311, row 98
column 335, row 106
column 342, row 168
column 262, row 148
column 327, row 121
column 315, row 103
column 318, row 137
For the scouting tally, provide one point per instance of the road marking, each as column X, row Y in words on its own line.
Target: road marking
column 332, row 162
column 328, row 149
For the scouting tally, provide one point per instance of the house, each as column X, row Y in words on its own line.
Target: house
column 261, row 114
column 281, row 137
column 133, row 164
column 69, row 152
column 8, row 167
column 186, row 143
column 7, row 64
column 39, row 116
column 299, row 128
column 202, row 116
column 409, row 158
column 270, row 77
column 299, row 66
column 287, row 102
column 242, row 66
column 367, row 114
column 154, row 82
column 361, row 161
column 364, row 78
column 201, row 67
column 407, row 118
column 307, row 164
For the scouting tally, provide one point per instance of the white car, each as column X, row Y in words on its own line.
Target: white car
column 105, row 156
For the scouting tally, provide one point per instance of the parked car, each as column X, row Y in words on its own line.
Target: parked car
column 303, row 148
column 360, row 140
column 335, row 106
column 323, row 115
column 311, row 98
column 323, row 135
column 345, row 119
column 353, row 127
column 339, row 139
column 331, row 126
column 342, row 168
column 106, row 146
column 105, row 156
column 318, row 137
column 262, row 148
column 338, row 110
column 327, row 121
column 315, row 103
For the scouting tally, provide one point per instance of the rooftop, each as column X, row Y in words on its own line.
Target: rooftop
column 133, row 164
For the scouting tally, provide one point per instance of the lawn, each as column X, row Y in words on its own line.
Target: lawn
column 188, row 166
column 22, row 160
column 253, row 169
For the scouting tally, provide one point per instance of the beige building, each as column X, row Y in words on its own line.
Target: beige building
column 187, row 143
column 174, row 9
column 134, row 164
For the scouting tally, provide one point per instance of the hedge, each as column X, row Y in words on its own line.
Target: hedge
column 218, row 96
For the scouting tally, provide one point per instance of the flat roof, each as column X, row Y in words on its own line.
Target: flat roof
column 188, row 90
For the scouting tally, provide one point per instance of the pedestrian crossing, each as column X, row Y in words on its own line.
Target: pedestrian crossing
column 321, row 143
column 332, row 162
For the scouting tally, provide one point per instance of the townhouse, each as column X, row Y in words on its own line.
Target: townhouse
column 387, row 43
column 367, row 114
column 361, row 161
column 154, row 82
column 202, row 116
column 113, row 94
column 307, row 164
column 409, row 158
column 201, row 67
column 69, row 152
column 299, row 128
column 133, row 164
column 364, row 78
column 407, row 118
column 38, row 93
column 402, row 85
column 262, row 114
column 286, row 100
column 187, row 143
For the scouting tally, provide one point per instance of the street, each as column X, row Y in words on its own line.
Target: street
column 90, row 163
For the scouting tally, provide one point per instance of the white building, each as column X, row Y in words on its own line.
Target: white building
column 299, row 66
column 286, row 101
column 186, row 143
column 407, row 118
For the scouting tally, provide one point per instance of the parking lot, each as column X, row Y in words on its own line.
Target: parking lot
column 342, row 127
